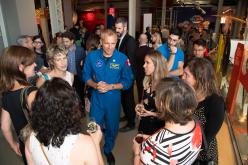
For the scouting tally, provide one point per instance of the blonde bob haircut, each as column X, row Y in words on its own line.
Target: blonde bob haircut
column 53, row 52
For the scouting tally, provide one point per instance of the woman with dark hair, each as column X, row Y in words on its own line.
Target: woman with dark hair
column 16, row 66
column 40, row 50
column 92, row 43
column 200, row 75
column 56, row 122
column 179, row 141
column 155, row 69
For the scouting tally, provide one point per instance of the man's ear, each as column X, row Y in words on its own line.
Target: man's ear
column 21, row 67
column 125, row 28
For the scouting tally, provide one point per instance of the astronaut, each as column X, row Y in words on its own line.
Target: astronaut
column 107, row 71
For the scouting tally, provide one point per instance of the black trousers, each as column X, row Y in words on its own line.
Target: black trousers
column 78, row 84
column 128, row 104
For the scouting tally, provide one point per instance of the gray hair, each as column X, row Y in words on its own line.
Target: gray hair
column 21, row 39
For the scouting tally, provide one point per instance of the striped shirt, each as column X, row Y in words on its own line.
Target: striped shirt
column 167, row 147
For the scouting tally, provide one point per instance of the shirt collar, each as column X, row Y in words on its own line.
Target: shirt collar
column 72, row 48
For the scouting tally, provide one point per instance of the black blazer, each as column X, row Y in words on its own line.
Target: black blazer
column 128, row 47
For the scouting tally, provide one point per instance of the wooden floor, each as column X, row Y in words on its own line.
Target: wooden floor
column 225, row 148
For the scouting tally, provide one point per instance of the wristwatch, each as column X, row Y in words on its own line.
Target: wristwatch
column 113, row 86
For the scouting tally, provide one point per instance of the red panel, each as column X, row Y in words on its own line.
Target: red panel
column 235, row 78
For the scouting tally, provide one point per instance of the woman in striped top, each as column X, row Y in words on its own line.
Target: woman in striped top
column 179, row 141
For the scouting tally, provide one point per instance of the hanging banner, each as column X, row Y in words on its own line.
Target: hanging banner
column 220, row 52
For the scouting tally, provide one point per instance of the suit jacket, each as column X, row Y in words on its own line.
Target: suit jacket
column 128, row 47
column 79, row 56
column 139, row 59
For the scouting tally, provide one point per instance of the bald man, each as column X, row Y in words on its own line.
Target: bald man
column 141, row 51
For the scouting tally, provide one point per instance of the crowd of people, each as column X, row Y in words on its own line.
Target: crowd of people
column 179, row 100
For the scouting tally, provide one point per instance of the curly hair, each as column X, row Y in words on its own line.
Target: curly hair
column 205, row 76
column 56, row 112
column 160, row 71
column 175, row 100
column 52, row 52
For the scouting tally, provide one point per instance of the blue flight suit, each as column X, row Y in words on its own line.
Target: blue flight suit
column 105, row 107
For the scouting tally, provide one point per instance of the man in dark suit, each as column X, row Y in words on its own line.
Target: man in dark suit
column 140, row 54
column 126, row 44
column 75, row 58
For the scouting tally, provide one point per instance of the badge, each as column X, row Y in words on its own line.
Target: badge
column 99, row 64
column 114, row 66
column 128, row 62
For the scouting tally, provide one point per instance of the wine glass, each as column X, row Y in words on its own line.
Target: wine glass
column 91, row 126
column 139, row 137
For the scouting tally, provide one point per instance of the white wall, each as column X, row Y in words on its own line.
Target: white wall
column 19, row 18
column 26, row 17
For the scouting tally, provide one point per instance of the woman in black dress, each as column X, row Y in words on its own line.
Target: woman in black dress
column 155, row 69
column 210, row 111
column 16, row 66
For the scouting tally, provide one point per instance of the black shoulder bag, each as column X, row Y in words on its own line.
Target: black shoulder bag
column 25, row 131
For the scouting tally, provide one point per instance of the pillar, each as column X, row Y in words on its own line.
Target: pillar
column 217, row 23
column 131, row 17
column 163, row 18
column 138, row 15
column 68, row 9
column 56, row 16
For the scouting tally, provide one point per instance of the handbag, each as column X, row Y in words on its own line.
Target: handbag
column 26, row 130
column 209, row 161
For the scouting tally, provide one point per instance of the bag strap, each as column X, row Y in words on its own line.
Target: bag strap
column 205, row 143
column 23, row 100
column 44, row 153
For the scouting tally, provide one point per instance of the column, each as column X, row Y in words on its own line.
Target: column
column 56, row 16
column 44, row 24
column 217, row 23
column 138, row 15
column 68, row 9
column 132, row 17
column 163, row 18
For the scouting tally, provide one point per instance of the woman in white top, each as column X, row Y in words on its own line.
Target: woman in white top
column 57, row 137
column 57, row 60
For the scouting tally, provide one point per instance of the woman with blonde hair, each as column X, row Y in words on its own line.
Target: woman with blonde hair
column 156, row 40
column 57, row 60
column 155, row 69
column 17, row 65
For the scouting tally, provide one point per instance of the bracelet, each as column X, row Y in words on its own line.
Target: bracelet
column 113, row 86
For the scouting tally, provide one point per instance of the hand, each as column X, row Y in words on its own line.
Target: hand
column 97, row 136
column 16, row 148
column 103, row 87
column 146, row 113
column 173, row 49
column 139, row 109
